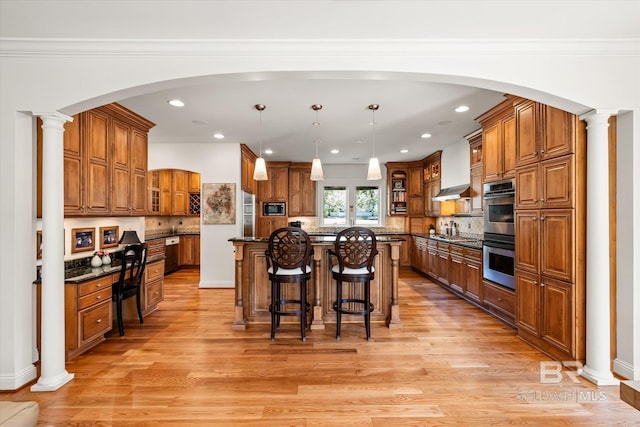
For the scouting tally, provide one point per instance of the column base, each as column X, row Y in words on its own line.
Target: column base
column 239, row 322
column 317, row 323
column 599, row 378
column 394, row 322
column 52, row 384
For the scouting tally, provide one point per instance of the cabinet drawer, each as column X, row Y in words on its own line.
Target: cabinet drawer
column 473, row 254
column 456, row 250
column 154, row 293
column 500, row 298
column 95, row 321
column 94, row 285
column 94, row 298
column 154, row 271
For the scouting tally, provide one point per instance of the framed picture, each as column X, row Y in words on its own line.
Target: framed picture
column 82, row 239
column 218, row 203
column 109, row 236
column 39, row 244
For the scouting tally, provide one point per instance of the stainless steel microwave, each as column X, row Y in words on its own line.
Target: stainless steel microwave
column 274, row 209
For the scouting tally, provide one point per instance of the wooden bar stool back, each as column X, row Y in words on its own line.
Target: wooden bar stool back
column 289, row 255
column 355, row 249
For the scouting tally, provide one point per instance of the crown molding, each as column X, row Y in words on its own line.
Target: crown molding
column 60, row 47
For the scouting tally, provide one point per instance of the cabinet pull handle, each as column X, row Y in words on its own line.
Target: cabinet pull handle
column 99, row 321
column 98, row 296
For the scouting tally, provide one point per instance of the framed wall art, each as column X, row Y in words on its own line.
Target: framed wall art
column 218, row 203
column 109, row 236
column 82, row 239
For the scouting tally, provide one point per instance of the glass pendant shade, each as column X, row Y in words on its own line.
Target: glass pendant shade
column 260, row 171
column 374, row 169
column 316, row 170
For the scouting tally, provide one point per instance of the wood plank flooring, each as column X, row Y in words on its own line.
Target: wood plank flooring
column 450, row 364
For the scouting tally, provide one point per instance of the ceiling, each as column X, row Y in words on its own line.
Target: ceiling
column 407, row 109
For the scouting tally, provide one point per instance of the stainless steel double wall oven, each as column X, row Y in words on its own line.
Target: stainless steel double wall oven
column 499, row 233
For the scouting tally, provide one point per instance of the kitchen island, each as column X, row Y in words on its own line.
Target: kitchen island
column 253, row 289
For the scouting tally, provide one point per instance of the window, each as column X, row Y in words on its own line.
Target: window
column 339, row 201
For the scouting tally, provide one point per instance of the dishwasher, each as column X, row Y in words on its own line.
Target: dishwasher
column 171, row 253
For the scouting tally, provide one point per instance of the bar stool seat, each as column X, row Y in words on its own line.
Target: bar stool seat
column 289, row 261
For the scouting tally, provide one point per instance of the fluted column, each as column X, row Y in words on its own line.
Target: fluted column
column 53, row 374
column 597, row 368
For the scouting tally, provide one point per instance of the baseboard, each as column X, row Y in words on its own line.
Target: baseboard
column 626, row 370
column 19, row 379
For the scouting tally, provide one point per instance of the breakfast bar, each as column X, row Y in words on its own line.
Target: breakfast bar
column 252, row 286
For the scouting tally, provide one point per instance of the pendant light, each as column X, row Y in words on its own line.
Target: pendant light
column 316, row 166
column 374, row 166
column 260, row 170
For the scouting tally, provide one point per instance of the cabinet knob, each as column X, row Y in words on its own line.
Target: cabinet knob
column 499, row 299
column 99, row 321
column 535, row 153
column 535, row 218
column 99, row 297
column 542, row 151
column 535, row 200
column 156, row 292
column 541, row 284
column 542, row 218
column 542, row 200
column 535, row 282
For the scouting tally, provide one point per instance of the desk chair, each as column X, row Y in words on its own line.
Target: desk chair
column 134, row 261
column 289, row 261
column 355, row 250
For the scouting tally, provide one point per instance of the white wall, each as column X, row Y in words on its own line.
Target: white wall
column 217, row 163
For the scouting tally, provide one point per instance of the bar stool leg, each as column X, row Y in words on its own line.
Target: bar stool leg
column 303, row 309
column 272, row 309
column 338, row 307
column 367, row 314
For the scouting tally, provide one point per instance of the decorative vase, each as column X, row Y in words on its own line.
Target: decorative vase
column 106, row 260
column 96, row 261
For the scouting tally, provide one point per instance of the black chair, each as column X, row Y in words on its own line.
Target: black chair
column 355, row 249
column 289, row 261
column 134, row 261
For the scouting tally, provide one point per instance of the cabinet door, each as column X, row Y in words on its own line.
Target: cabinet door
column 302, row 192
column 527, row 187
column 509, row 147
column 559, row 131
column 431, row 208
column 165, row 192
column 493, row 152
column 415, row 206
column 473, row 279
column 457, row 273
column 194, row 182
column 557, row 240
column 138, row 162
column 527, row 236
column 73, row 165
column 96, row 179
column 415, row 181
column 557, row 320
column 120, row 171
column 557, row 182
column 528, row 302
column 186, row 250
column 432, row 255
column 280, row 177
column 476, row 190
column 527, row 144
column 475, row 152
column 443, row 265
column 180, row 196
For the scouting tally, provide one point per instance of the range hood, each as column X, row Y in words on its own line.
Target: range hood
column 453, row 193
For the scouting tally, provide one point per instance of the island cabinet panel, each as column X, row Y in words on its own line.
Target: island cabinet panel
column 253, row 289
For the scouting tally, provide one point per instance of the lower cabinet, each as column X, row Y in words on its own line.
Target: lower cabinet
column 153, row 291
column 544, row 314
column 499, row 301
column 88, row 315
column 189, row 250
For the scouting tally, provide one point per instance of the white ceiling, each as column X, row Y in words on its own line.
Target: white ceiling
column 407, row 110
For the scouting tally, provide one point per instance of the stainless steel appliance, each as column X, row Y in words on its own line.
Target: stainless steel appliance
column 498, row 248
column 498, row 258
column 248, row 214
column 274, row 209
column 499, row 207
column 171, row 246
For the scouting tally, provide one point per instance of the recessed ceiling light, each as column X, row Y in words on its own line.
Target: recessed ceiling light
column 176, row 103
column 268, row 151
column 218, row 135
column 404, row 150
column 335, row 151
column 425, row 135
column 462, row 109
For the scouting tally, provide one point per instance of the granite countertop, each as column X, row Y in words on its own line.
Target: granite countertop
column 315, row 238
column 470, row 242
column 82, row 274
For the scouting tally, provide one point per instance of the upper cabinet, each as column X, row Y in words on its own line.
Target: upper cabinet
column 405, row 188
column 302, row 191
column 248, row 164
column 432, row 183
column 174, row 192
column 276, row 188
column 475, row 172
column 499, row 141
column 105, row 163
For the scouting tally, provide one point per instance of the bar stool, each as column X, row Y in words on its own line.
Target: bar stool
column 355, row 250
column 289, row 261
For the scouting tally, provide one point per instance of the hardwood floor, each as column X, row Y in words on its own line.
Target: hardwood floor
column 450, row 364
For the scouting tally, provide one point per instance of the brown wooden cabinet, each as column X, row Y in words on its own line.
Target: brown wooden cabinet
column 543, row 132
column 88, row 314
column 548, row 184
column 456, row 269
column 179, row 192
column 248, row 164
column 475, row 172
column 499, row 301
column 302, row 191
column 499, row 141
column 189, row 252
column 397, row 182
column 171, row 192
column 96, row 179
column 265, row 225
column 153, row 290
column 473, row 274
column 276, row 188
column 194, row 182
column 431, row 187
column 419, row 254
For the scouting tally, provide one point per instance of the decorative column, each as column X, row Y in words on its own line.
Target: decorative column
column 597, row 368
column 53, row 374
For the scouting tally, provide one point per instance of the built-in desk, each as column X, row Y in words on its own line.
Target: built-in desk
column 253, row 289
